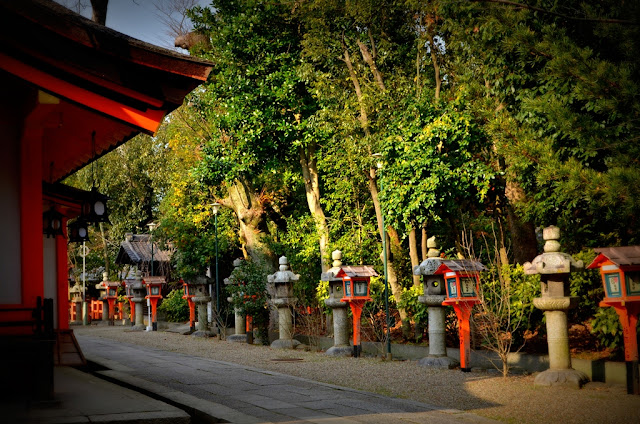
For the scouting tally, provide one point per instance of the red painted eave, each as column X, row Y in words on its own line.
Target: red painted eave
column 106, row 87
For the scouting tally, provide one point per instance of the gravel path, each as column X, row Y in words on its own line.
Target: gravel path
column 512, row 400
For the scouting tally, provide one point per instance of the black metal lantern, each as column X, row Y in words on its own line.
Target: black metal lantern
column 94, row 207
column 78, row 231
column 52, row 223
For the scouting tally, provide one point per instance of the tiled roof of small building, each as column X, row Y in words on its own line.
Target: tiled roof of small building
column 136, row 249
column 622, row 255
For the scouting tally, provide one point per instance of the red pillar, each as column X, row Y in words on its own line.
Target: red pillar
column 463, row 312
column 356, row 311
column 31, row 255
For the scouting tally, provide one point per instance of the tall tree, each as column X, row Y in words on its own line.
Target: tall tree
column 556, row 85
column 260, row 114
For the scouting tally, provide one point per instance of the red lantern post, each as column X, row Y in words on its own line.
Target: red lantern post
column 462, row 281
column 189, row 293
column 356, row 281
column 154, row 294
column 620, row 271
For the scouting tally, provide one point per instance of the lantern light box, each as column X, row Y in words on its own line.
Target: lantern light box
column 355, row 284
column 462, row 281
column 620, row 272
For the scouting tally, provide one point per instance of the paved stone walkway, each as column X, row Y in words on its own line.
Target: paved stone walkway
column 242, row 394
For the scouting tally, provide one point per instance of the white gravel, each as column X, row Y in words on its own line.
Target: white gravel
column 511, row 400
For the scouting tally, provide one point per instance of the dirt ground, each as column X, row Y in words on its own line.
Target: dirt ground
column 511, row 400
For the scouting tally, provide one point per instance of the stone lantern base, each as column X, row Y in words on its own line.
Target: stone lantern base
column 285, row 344
column 565, row 378
column 439, row 362
column 237, row 338
column 340, row 351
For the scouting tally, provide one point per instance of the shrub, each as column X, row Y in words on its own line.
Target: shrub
column 250, row 295
column 175, row 308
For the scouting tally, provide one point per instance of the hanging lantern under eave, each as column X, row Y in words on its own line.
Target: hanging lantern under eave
column 78, row 231
column 52, row 223
column 94, row 207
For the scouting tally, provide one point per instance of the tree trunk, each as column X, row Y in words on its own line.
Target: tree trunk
column 393, row 245
column 312, row 189
column 369, row 57
column 413, row 254
column 105, row 250
column 423, row 243
column 523, row 234
column 99, row 14
column 248, row 208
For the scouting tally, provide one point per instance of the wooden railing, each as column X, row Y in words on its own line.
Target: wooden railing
column 40, row 318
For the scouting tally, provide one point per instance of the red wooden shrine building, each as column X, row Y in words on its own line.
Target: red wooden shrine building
column 71, row 91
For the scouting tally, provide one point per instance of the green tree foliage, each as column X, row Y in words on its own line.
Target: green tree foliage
column 558, row 92
column 175, row 308
column 249, row 295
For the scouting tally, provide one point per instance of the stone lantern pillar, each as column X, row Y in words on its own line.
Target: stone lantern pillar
column 139, row 292
column 283, row 299
column 555, row 268
column 202, row 299
column 240, row 333
column 434, row 295
column 338, row 308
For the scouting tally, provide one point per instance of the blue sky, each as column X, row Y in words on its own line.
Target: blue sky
column 136, row 18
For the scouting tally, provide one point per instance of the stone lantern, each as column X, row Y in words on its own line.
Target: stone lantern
column 554, row 268
column 76, row 299
column 201, row 299
column 283, row 299
column 195, row 288
column 103, row 296
column 240, row 333
column 138, row 291
column 338, row 307
column 434, row 295
column 620, row 272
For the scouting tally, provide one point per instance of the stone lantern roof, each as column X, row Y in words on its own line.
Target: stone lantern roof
column 552, row 261
column 198, row 280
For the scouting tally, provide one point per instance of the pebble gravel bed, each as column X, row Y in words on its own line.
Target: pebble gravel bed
column 510, row 400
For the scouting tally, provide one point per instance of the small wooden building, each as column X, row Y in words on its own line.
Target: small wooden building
column 139, row 251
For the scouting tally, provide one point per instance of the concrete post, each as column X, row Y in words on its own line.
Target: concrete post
column 554, row 268
column 283, row 281
column 341, row 345
column 434, row 295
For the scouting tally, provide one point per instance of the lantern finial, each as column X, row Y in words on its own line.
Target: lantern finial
column 336, row 255
column 551, row 235
column 433, row 248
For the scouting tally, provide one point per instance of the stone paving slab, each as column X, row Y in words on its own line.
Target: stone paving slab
column 242, row 394
column 84, row 398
